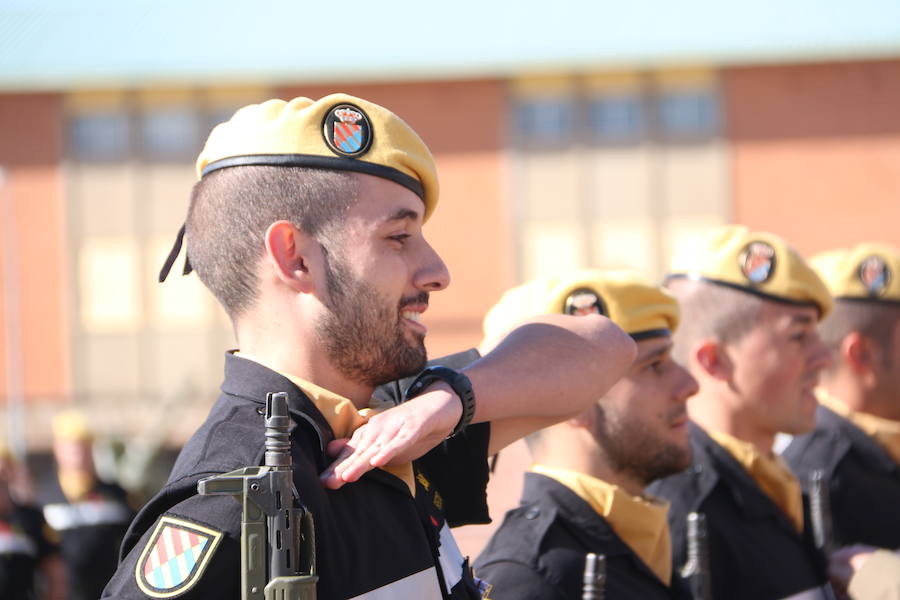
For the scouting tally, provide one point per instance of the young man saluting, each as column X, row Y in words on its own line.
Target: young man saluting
column 307, row 226
column 585, row 491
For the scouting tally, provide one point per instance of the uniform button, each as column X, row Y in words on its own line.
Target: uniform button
column 533, row 513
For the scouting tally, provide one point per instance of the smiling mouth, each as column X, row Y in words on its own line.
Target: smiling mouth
column 412, row 315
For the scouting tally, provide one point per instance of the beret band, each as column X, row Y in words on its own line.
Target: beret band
column 319, row 162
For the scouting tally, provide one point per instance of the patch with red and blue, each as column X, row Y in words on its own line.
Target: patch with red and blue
column 757, row 262
column 874, row 274
column 347, row 130
column 175, row 557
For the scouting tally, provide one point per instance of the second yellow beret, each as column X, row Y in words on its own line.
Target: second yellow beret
column 640, row 308
column 756, row 262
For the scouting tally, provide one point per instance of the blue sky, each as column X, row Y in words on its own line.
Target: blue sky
column 47, row 43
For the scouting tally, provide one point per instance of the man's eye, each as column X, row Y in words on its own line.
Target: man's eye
column 402, row 237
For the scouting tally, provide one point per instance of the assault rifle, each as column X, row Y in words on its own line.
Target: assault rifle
column 278, row 558
column 594, row 577
column 696, row 569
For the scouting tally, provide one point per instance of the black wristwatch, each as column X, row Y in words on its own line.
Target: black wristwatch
column 460, row 384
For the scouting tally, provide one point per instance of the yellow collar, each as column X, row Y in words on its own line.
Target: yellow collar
column 639, row 521
column 342, row 416
column 770, row 473
column 885, row 432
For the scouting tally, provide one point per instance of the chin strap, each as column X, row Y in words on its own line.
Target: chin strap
column 173, row 254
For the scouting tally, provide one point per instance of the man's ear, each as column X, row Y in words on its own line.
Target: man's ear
column 858, row 352
column 712, row 359
column 288, row 253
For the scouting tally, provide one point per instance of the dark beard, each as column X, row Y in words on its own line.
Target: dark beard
column 362, row 334
column 631, row 448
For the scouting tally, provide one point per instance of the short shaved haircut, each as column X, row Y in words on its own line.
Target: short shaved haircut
column 232, row 208
column 709, row 310
column 874, row 320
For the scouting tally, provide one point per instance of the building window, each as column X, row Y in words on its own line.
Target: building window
column 99, row 136
column 616, row 118
column 688, row 114
column 170, row 134
column 545, row 122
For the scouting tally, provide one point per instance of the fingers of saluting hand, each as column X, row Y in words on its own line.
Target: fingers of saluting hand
column 372, row 445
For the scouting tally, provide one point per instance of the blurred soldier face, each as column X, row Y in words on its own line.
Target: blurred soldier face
column 775, row 367
column 642, row 423
column 379, row 273
column 886, row 370
column 73, row 455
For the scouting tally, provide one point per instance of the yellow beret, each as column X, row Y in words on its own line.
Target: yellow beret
column 71, row 425
column 641, row 309
column 336, row 132
column 866, row 272
column 756, row 262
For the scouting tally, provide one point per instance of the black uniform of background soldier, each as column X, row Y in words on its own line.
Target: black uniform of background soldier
column 90, row 532
column 23, row 545
column 864, row 480
column 755, row 553
column 539, row 552
column 352, row 523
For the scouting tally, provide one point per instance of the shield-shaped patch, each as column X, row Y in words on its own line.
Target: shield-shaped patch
column 175, row 557
column 875, row 275
column 757, row 262
column 347, row 130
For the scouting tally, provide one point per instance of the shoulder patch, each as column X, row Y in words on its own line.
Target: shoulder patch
column 175, row 557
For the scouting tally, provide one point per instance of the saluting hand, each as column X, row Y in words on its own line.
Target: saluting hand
column 397, row 435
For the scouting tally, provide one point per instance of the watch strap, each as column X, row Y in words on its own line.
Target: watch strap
column 458, row 382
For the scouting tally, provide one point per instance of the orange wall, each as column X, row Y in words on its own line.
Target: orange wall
column 31, row 154
column 816, row 151
column 464, row 125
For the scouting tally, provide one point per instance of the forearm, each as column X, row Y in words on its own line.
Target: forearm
column 553, row 367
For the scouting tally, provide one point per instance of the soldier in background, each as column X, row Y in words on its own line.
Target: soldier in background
column 856, row 442
column 30, row 567
column 749, row 306
column 90, row 516
column 585, row 491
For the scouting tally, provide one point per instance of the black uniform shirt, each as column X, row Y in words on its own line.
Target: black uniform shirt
column 863, row 479
column 90, row 533
column 755, row 553
column 372, row 536
column 538, row 552
column 22, row 547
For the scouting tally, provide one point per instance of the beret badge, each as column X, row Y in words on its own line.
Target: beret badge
column 757, row 262
column 584, row 301
column 874, row 274
column 347, row 130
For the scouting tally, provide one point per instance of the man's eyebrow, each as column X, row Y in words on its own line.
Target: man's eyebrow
column 802, row 319
column 402, row 214
column 654, row 354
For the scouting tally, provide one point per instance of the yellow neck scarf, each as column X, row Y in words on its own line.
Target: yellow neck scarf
column 885, row 432
column 342, row 416
column 639, row 521
column 771, row 474
column 76, row 484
